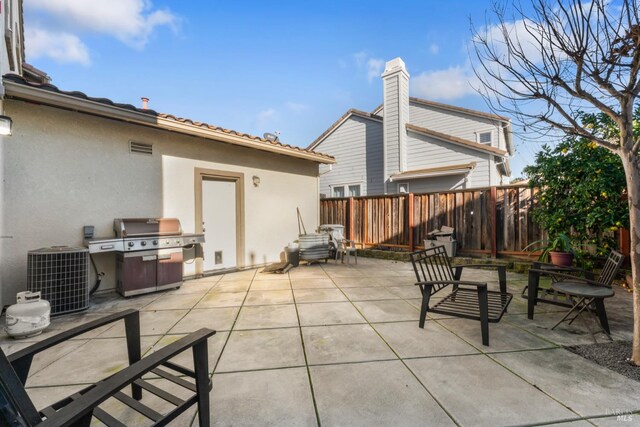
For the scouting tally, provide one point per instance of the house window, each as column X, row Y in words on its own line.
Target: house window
column 345, row 190
column 403, row 187
column 484, row 138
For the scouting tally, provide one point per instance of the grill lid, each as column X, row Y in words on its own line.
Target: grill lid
column 144, row 227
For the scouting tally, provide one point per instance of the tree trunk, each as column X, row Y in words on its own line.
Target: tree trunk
column 632, row 170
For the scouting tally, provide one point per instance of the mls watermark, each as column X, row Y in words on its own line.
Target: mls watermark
column 622, row 415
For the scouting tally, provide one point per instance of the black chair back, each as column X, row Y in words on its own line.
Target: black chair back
column 610, row 269
column 16, row 408
column 432, row 265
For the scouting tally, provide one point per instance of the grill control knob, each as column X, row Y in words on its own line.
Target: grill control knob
column 155, row 242
column 143, row 243
column 130, row 244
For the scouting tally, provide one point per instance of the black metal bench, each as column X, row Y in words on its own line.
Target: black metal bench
column 17, row 409
column 467, row 299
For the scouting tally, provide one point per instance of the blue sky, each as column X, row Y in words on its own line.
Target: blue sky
column 257, row 66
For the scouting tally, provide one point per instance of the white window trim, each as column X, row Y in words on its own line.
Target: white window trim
column 490, row 143
column 345, row 188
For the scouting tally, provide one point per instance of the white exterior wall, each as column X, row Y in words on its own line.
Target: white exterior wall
column 396, row 101
column 357, row 146
column 64, row 170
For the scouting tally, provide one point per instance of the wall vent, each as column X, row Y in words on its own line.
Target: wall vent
column 140, row 148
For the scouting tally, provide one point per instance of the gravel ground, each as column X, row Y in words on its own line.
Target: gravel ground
column 612, row 355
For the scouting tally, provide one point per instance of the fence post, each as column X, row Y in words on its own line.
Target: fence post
column 494, row 222
column 411, row 243
column 351, row 218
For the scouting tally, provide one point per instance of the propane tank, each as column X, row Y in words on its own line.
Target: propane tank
column 29, row 316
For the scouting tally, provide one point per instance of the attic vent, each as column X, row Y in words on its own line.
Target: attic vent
column 140, row 148
column 484, row 138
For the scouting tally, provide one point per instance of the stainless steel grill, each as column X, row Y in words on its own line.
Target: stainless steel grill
column 149, row 253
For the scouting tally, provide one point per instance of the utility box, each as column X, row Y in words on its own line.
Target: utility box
column 443, row 237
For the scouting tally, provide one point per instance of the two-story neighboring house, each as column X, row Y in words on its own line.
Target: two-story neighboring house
column 413, row 145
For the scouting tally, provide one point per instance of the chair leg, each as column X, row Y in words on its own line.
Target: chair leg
column 574, row 308
column 201, row 369
column 483, row 302
column 602, row 315
column 132, row 331
column 426, row 296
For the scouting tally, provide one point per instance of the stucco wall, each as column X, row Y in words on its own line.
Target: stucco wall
column 64, row 170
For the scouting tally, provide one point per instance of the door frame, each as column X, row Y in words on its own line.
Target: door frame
column 202, row 174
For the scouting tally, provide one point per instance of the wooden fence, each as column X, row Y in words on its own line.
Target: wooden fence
column 492, row 220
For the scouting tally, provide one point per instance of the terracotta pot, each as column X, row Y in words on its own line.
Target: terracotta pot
column 564, row 259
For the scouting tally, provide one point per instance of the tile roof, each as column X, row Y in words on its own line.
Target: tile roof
column 451, row 108
column 105, row 101
column 331, row 128
column 456, row 140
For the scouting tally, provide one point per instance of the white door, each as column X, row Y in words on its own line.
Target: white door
column 219, row 224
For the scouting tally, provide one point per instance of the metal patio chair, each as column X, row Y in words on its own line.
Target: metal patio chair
column 586, row 293
column 17, row 409
column 466, row 299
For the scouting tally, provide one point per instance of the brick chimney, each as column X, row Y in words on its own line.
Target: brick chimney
column 396, row 115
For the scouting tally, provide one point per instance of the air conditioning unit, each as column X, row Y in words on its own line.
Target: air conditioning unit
column 61, row 275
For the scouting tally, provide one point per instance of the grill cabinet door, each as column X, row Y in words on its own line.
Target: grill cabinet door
column 137, row 272
column 170, row 267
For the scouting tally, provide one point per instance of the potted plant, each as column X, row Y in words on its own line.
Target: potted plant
column 559, row 250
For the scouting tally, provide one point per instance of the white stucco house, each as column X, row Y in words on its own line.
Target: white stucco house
column 74, row 160
column 414, row 145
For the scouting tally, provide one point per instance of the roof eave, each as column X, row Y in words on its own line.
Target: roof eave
column 447, row 138
column 339, row 122
column 54, row 99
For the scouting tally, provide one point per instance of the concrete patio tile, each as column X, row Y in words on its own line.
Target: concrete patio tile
column 582, row 385
column 344, row 343
column 387, row 311
column 239, row 275
column 215, row 344
column 93, row 361
column 408, row 340
column 623, row 419
column 232, row 286
column 270, row 285
column 261, row 277
column 406, row 292
column 269, row 297
column 477, row 391
column 502, row 336
column 111, row 302
column 47, row 357
column 371, row 394
column 564, row 334
column 207, row 279
column 222, row 299
column 356, row 282
column 218, row 319
column 318, row 295
column 262, row 349
column 151, row 323
column 45, row 396
column 192, row 287
column 267, row 316
column 328, row 313
column 343, row 272
column 314, row 271
column 279, row 397
column 174, row 302
column 369, row 294
column 302, row 283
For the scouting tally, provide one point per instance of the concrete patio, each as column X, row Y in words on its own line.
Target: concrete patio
column 337, row 344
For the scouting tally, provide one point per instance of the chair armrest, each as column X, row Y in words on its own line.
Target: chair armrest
column 452, row 282
column 21, row 360
column 556, row 274
column 107, row 388
column 485, row 266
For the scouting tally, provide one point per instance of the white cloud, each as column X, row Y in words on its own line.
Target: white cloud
column 297, row 107
column 451, row 83
column 434, row 48
column 130, row 21
column 265, row 117
column 372, row 67
column 60, row 46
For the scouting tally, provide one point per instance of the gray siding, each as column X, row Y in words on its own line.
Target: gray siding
column 425, row 152
column 455, row 124
column 357, row 146
column 392, row 125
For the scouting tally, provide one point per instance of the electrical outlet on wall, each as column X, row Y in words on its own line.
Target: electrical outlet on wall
column 218, row 257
